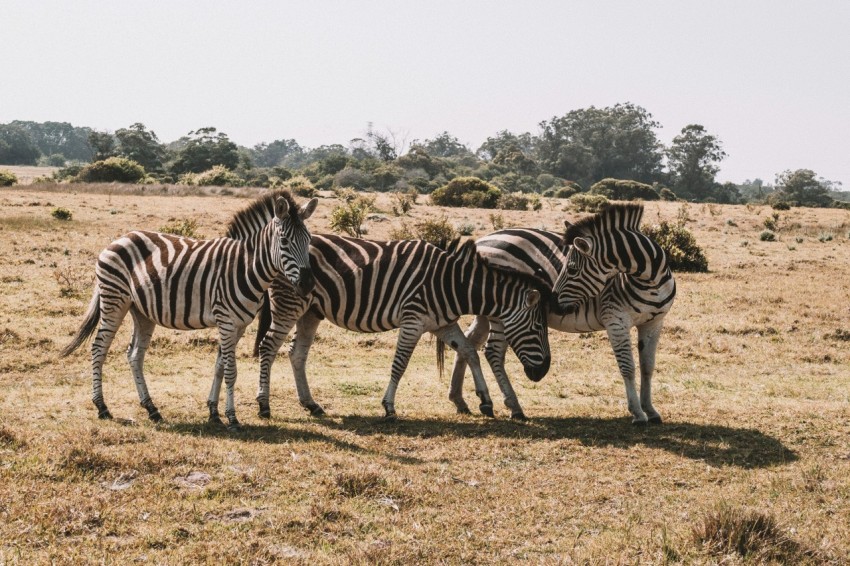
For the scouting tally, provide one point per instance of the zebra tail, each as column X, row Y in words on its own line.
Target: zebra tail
column 441, row 356
column 88, row 326
column 265, row 321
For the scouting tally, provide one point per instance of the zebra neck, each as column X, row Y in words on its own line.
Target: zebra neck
column 639, row 257
column 261, row 268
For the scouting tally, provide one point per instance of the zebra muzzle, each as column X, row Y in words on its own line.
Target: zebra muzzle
column 306, row 282
column 536, row 373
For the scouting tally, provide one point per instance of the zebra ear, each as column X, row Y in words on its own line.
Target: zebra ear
column 533, row 298
column 583, row 245
column 567, row 224
column 281, row 208
column 307, row 210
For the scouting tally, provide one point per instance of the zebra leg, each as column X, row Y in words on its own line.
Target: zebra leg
column 229, row 338
column 142, row 331
column 409, row 334
column 111, row 316
column 282, row 322
column 648, row 335
column 305, row 333
column 453, row 336
column 494, row 352
column 621, row 343
column 476, row 334
column 215, row 390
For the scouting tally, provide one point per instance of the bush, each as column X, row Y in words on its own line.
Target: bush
column 767, row 236
column 781, row 205
column 621, row 189
column 588, row 203
column 667, row 194
column 70, row 173
column 403, row 202
column 468, row 192
column 435, row 231
column 348, row 217
column 566, row 192
column 7, row 178
column 299, row 185
column 466, row 229
column 218, row 176
column 513, row 201
column 112, row 170
column 62, row 214
column 351, row 177
column 681, row 247
column 186, row 227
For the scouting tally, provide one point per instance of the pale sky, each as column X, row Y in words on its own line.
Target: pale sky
column 771, row 79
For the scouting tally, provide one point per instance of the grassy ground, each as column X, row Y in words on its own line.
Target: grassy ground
column 752, row 464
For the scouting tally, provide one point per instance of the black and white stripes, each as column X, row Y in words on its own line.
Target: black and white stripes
column 635, row 289
column 187, row 284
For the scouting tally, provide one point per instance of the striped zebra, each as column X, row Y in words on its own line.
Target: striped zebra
column 625, row 275
column 411, row 285
column 187, row 284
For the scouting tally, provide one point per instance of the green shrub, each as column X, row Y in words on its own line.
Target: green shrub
column 348, row 217
column 467, row 192
column 435, row 231
column 583, row 202
column 403, row 232
column 771, row 221
column 535, row 202
column 497, row 220
column 70, row 172
column 622, row 189
column 112, row 170
column 185, row 227
column 781, row 205
column 566, row 192
column 218, row 176
column 63, row 214
column 466, row 229
column 767, row 236
column 667, row 194
column 825, row 237
column 300, row 186
column 7, row 178
column 513, row 201
column 356, row 178
column 681, row 247
column 403, row 202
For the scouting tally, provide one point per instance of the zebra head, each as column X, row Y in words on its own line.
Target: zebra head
column 526, row 330
column 292, row 253
column 598, row 247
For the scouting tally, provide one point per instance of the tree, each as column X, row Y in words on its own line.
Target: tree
column 203, row 149
column 591, row 144
column 58, row 138
column 273, row 154
column 804, row 188
column 692, row 160
column 444, row 145
column 102, row 145
column 506, row 141
column 16, row 146
column 142, row 146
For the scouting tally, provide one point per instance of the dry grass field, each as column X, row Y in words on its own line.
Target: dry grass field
column 751, row 465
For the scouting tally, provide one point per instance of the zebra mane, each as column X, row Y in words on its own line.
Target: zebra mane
column 260, row 212
column 618, row 216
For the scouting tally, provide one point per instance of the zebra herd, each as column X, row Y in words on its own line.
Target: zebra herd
column 601, row 274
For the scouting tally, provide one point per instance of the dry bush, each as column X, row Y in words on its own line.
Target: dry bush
column 73, row 281
column 186, row 227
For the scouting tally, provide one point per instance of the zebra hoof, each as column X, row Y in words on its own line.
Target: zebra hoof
column 316, row 410
column 234, row 426
column 390, row 418
column 519, row 416
column 155, row 417
column 215, row 419
column 264, row 414
column 640, row 424
column 463, row 411
column 104, row 414
column 655, row 420
column 487, row 410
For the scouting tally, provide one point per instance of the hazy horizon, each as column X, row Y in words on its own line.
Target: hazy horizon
column 767, row 78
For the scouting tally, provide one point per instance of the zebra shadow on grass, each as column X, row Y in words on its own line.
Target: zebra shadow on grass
column 714, row 444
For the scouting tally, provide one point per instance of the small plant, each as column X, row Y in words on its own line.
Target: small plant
column 466, row 229
column 781, row 205
column 348, row 217
column 435, row 231
column 403, row 232
column 535, row 202
column 799, row 239
column 840, row 334
column 7, row 178
column 683, row 215
column 72, row 281
column 681, row 247
column 767, row 236
column 403, row 202
column 63, row 214
column 732, row 223
column 186, row 227
column 772, row 221
column 497, row 220
column 825, row 237
column 513, row 201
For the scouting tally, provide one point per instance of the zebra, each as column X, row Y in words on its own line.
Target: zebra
column 187, row 284
column 611, row 278
column 411, row 285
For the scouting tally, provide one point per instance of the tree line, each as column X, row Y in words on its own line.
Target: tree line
column 571, row 153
